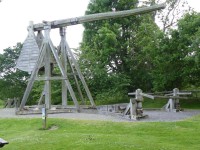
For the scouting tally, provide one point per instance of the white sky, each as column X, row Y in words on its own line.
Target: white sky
column 16, row 14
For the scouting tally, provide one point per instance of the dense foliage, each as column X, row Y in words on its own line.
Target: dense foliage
column 177, row 60
column 113, row 51
column 121, row 55
column 12, row 81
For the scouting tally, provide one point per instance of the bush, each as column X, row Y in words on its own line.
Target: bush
column 111, row 98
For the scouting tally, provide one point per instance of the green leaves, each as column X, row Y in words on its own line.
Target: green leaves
column 116, row 49
column 12, row 81
column 177, row 63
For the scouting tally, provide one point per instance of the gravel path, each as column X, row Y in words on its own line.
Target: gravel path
column 153, row 115
column 158, row 115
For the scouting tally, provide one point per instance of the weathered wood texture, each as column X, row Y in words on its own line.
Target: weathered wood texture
column 81, row 77
column 64, row 63
column 29, row 53
column 173, row 104
column 47, row 48
column 99, row 16
column 33, row 75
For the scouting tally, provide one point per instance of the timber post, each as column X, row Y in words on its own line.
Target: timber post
column 173, row 104
column 134, row 108
column 47, row 60
column 64, row 63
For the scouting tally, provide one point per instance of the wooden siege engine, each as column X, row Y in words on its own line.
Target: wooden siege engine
column 39, row 51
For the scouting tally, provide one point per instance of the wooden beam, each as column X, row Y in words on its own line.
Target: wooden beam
column 80, row 75
column 33, row 75
column 99, row 16
column 147, row 95
column 50, row 78
column 55, row 54
column 168, row 97
column 77, row 84
column 64, row 63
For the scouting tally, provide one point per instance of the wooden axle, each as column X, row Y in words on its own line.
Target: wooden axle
column 158, row 96
column 168, row 97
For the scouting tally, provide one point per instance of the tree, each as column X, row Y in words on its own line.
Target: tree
column 134, row 49
column 168, row 18
column 189, row 33
column 12, row 81
column 177, row 60
column 114, row 52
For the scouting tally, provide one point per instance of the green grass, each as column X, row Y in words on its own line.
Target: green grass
column 190, row 104
column 25, row 134
column 159, row 103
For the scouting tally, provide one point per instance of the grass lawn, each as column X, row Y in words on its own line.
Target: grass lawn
column 25, row 134
column 159, row 103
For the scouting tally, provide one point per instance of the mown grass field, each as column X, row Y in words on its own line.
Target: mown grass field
column 26, row 134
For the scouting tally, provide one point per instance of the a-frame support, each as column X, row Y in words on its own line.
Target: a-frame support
column 47, row 48
column 66, row 51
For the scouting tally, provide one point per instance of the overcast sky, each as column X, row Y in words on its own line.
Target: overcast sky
column 16, row 14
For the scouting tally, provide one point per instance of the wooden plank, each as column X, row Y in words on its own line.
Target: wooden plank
column 147, row 95
column 54, row 78
column 132, row 94
column 50, row 78
column 184, row 93
column 167, row 97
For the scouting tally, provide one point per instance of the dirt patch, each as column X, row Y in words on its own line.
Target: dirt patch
column 53, row 127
